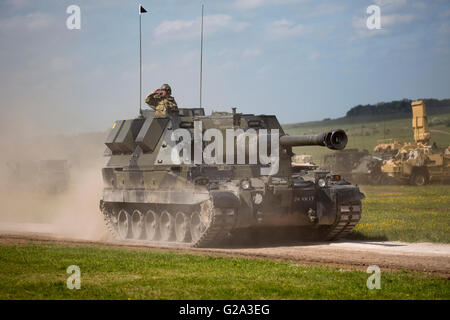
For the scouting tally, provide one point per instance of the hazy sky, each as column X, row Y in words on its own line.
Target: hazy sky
column 300, row 59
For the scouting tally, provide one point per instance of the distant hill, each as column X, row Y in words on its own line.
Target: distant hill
column 382, row 111
column 399, row 107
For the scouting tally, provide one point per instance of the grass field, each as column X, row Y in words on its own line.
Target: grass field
column 405, row 213
column 38, row 271
column 365, row 135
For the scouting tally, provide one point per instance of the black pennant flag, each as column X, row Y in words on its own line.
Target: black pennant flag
column 142, row 9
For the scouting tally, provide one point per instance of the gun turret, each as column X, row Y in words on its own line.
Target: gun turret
column 333, row 139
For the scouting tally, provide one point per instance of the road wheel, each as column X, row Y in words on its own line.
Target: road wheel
column 419, row 179
column 151, row 225
column 123, row 224
column 167, row 226
column 376, row 179
column 182, row 228
column 137, row 225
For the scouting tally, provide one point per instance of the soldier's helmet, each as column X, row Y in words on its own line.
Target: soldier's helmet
column 167, row 88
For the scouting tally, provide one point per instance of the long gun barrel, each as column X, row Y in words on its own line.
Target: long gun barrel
column 333, row 139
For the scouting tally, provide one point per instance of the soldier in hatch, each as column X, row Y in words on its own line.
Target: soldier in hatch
column 161, row 100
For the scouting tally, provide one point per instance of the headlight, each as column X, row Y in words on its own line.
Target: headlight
column 322, row 182
column 245, row 184
column 257, row 198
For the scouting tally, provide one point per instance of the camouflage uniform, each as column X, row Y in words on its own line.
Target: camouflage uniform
column 160, row 103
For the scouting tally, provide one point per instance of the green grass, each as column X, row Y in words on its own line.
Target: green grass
column 38, row 271
column 405, row 213
column 365, row 135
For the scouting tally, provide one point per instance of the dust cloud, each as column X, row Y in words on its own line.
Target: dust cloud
column 27, row 205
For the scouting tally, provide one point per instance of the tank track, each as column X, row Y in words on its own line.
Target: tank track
column 111, row 228
column 221, row 223
column 348, row 216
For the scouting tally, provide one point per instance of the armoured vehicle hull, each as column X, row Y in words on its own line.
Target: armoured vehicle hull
column 153, row 192
column 355, row 165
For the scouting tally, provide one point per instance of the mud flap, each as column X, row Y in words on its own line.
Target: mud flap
column 349, row 196
column 326, row 212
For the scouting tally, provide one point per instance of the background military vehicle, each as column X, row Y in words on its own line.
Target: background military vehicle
column 22, row 175
column 387, row 148
column 357, row 166
column 152, row 197
column 419, row 162
column 303, row 162
column 53, row 176
column 45, row 176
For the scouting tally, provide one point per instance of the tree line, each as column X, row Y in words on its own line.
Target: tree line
column 398, row 107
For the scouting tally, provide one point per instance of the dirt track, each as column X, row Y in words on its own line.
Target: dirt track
column 422, row 257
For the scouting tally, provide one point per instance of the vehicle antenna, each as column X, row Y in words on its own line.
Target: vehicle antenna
column 201, row 59
column 141, row 11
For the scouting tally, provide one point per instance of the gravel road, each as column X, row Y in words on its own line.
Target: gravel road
column 388, row 255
